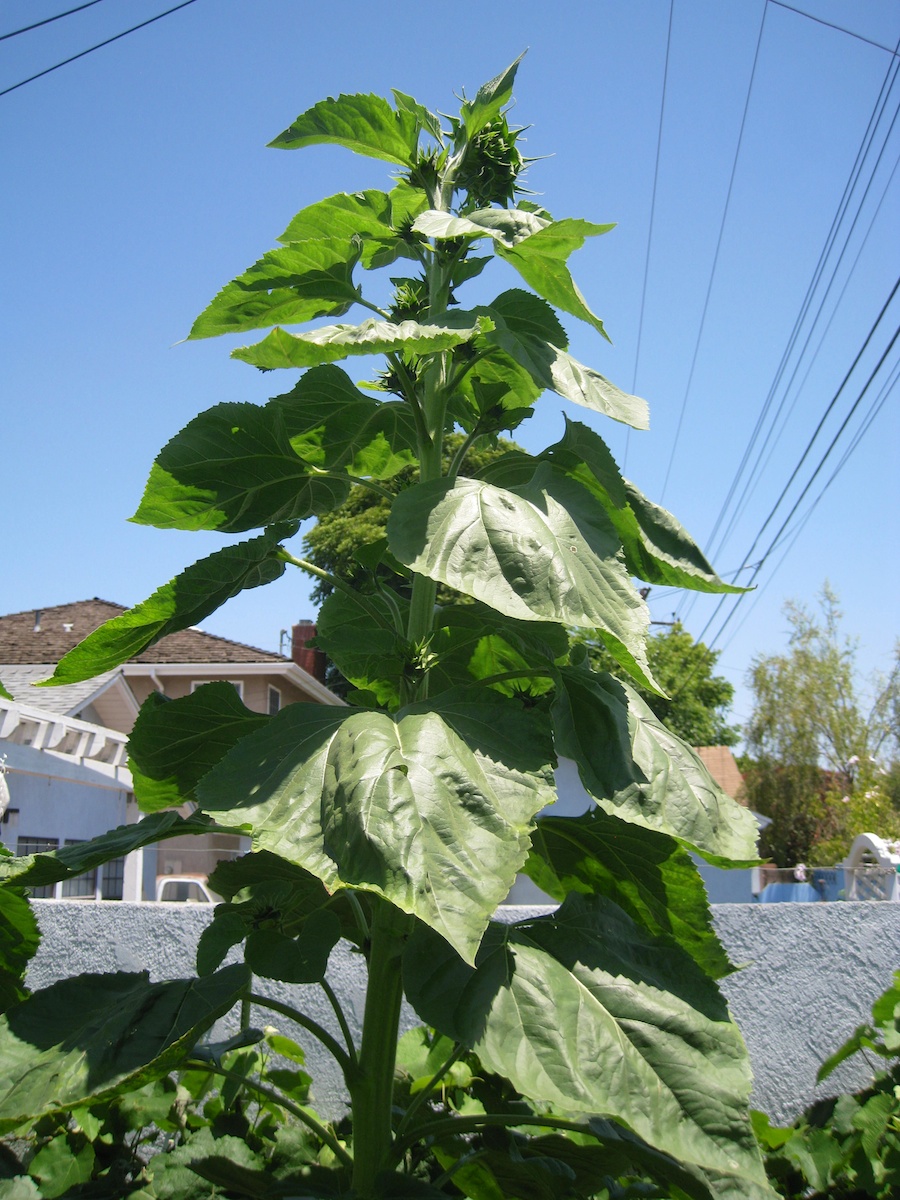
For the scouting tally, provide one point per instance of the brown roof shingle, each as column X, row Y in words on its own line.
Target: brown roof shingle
column 45, row 635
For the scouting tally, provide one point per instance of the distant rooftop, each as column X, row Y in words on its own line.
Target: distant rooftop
column 45, row 635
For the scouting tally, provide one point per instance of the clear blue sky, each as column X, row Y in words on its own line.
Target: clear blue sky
column 136, row 182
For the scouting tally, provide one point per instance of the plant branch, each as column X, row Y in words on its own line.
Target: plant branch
column 295, row 1110
column 531, row 673
column 341, row 1018
column 373, row 307
column 340, row 584
column 453, row 1126
column 347, row 1065
column 426, row 1091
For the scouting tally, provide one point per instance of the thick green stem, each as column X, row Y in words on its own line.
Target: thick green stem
column 372, row 1092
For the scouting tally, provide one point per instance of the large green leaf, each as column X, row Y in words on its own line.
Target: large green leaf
column 295, row 283
column 543, row 551
column 240, row 466
column 333, row 342
column 90, row 1037
column 175, row 742
column 19, row 937
column 536, row 247
column 638, row 770
column 402, row 808
column 473, row 642
column 365, row 124
column 52, row 866
column 512, row 743
column 332, row 425
column 528, row 331
column 183, row 602
column 490, row 99
column 233, row 468
column 647, row 874
column 656, row 546
column 586, row 1010
column 368, row 216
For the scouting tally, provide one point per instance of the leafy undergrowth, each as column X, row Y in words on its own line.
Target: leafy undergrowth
column 846, row 1147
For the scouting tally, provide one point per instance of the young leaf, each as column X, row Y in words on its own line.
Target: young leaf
column 427, row 120
column 93, row 1036
column 401, row 808
column 647, row 874
column 331, row 343
column 639, row 771
column 586, row 1010
column 540, row 552
column 179, row 604
column 174, row 743
column 365, row 124
column 490, row 99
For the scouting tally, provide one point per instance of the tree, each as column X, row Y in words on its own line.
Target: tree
column 345, row 540
column 588, row 1043
column 695, row 701
column 820, row 752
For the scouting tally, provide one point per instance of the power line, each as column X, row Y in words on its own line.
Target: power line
column 662, row 109
column 47, row 20
column 840, row 28
column 772, row 436
column 712, row 273
column 800, row 498
column 98, row 46
column 843, row 205
column 877, row 405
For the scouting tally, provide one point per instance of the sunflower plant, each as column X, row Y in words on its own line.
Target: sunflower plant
column 560, row 1053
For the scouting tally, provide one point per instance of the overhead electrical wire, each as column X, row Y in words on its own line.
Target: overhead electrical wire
column 856, row 169
column 48, row 20
column 90, row 50
column 772, row 437
column 809, row 482
column 712, row 273
column 831, row 25
column 662, row 109
column 793, row 535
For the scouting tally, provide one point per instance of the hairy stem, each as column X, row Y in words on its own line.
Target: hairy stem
column 372, row 1090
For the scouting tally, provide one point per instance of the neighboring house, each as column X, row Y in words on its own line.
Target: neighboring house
column 63, row 749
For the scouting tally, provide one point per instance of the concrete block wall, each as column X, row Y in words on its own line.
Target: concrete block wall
column 810, row 974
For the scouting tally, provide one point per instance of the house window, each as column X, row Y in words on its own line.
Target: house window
column 82, row 887
column 274, row 700
column 237, row 684
column 38, row 845
column 112, row 882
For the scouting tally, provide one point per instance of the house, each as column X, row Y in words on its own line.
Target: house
column 63, row 757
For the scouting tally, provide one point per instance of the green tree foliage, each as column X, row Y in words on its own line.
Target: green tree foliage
column 821, row 756
column 696, row 701
column 596, row 1039
column 348, row 537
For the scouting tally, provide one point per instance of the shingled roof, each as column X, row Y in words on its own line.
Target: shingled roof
column 45, row 635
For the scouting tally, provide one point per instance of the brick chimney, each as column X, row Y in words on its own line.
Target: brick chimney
column 310, row 660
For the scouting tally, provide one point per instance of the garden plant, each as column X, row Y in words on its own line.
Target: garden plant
column 585, row 1053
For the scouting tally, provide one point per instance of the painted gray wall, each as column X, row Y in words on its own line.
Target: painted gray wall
column 812, row 973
